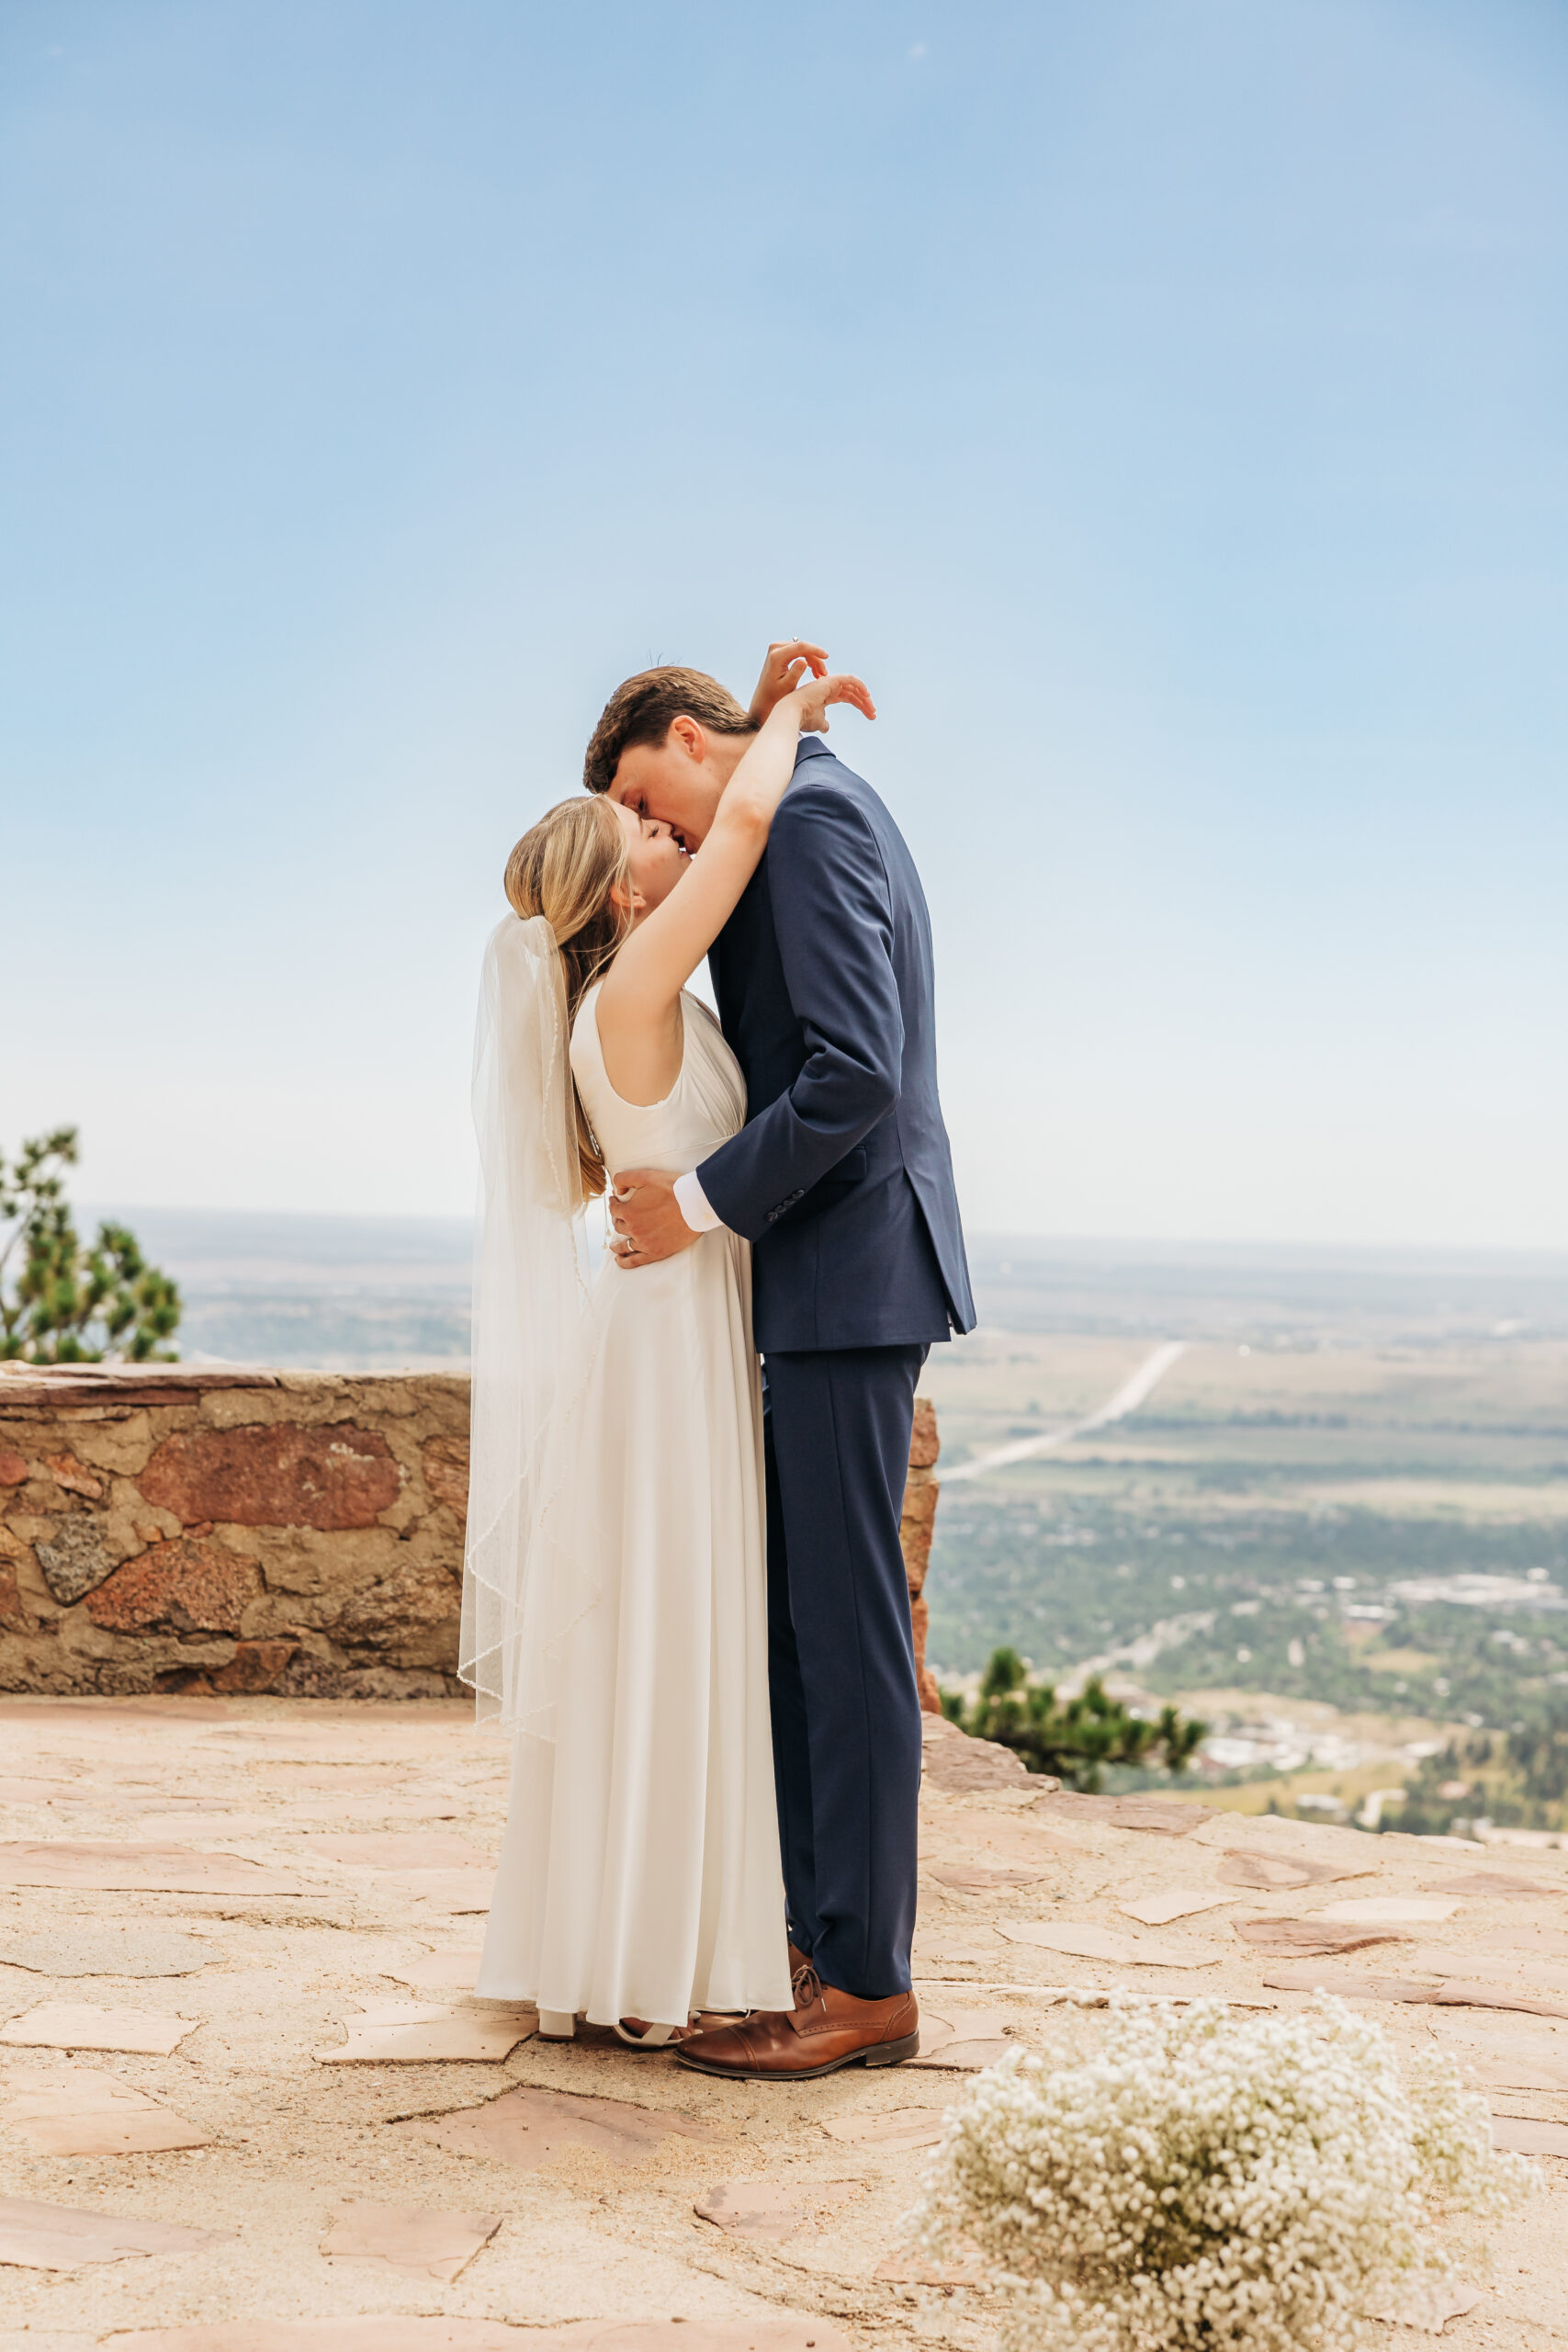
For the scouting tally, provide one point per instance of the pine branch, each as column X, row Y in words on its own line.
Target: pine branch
column 68, row 1302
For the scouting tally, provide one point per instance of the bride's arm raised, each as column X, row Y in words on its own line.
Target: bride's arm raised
column 642, row 987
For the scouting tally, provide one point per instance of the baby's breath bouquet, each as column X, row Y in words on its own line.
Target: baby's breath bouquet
column 1205, row 2180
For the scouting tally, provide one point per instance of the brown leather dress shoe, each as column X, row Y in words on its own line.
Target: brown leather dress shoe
column 826, row 2030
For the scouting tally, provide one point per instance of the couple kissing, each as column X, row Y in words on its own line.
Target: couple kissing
column 684, row 1592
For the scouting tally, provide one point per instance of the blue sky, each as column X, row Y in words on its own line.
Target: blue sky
column 1162, row 405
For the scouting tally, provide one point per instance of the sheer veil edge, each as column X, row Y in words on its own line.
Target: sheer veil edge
column 530, row 1317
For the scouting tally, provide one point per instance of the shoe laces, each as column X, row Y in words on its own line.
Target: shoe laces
column 807, row 1986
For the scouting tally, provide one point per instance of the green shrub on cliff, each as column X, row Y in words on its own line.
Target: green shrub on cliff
column 62, row 1301
column 1076, row 1738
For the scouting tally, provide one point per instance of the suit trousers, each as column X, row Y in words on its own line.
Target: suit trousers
column 845, row 1705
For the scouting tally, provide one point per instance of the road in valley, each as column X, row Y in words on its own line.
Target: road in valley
column 1116, row 1407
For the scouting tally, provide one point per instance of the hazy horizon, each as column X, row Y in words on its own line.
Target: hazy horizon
column 372, row 1291
column 1158, row 1247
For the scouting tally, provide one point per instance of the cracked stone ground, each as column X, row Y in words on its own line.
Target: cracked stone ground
column 251, row 2104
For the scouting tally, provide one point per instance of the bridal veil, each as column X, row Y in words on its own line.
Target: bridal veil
column 530, row 1312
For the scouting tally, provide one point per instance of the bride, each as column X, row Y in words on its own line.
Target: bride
column 615, row 1605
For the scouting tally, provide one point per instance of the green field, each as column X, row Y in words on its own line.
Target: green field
column 1295, row 1521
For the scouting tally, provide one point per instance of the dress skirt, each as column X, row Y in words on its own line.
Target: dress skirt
column 639, row 1873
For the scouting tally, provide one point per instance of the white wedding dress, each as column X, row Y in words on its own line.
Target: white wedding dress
column 640, row 1872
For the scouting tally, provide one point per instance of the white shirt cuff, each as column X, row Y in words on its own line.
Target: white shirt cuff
column 693, row 1204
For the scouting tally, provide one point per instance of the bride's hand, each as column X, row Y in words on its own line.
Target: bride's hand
column 813, row 695
column 788, row 661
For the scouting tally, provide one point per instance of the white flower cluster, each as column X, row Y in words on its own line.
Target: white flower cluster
column 1206, row 2180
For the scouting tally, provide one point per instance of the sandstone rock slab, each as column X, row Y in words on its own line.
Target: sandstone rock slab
column 1088, row 1942
column 1457, row 1994
column 1163, row 1816
column 1081, row 1942
column 388, row 2331
column 396, row 1849
column 64, row 2238
column 1510, row 2061
column 1526, row 1941
column 1461, row 1992
column 962, row 2040
column 768, row 2211
column 920, row 2271
column 1315, row 1935
column 1527, row 2137
column 457, row 1893
column 64, row 1951
column 1428, row 2306
column 1430, row 1959
column 1283, row 1872
column 1177, row 1903
column 1496, row 1883
column 1349, row 1986
column 1015, row 1839
column 956, row 1764
column 28, row 1789
column 439, row 1971
column 300, row 1817
column 407, row 2238
column 925, row 1439
column 527, row 2126
column 406, row 2033
column 893, row 2130
column 156, row 1827
column 978, row 1878
column 83, row 2113
column 124, row 1867
column 1388, row 1910
column 78, row 2025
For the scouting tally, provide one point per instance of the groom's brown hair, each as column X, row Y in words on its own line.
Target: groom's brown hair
column 641, row 711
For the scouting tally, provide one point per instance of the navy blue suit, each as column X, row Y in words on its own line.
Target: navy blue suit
column 842, row 1181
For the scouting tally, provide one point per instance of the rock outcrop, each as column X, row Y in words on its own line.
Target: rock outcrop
column 915, row 1534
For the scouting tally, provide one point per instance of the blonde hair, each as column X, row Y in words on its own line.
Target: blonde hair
column 565, row 868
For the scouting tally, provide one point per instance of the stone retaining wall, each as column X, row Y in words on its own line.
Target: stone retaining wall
column 297, row 1533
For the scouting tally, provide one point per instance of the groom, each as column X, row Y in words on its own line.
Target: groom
column 842, row 1181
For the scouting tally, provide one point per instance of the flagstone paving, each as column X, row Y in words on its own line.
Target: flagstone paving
column 313, row 2137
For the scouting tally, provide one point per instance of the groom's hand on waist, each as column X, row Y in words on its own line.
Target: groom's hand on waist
column 647, row 1218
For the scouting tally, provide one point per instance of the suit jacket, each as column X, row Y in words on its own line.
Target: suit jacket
column 842, row 1177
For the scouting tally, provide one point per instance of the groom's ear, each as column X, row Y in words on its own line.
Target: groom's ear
column 687, row 736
